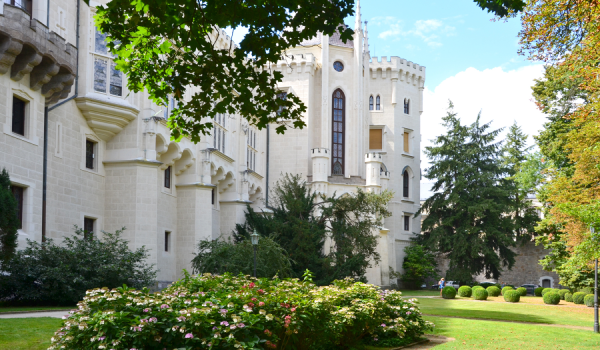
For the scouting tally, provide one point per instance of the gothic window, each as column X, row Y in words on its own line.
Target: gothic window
column 338, row 66
column 251, row 151
column 107, row 79
column 405, row 182
column 219, row 132
column 378, row 105
column 406, row 106
column 339, row 115
column 371, row 103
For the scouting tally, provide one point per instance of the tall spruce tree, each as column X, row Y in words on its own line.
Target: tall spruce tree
column 9, row 221
column 514, row 156
column 468, row 217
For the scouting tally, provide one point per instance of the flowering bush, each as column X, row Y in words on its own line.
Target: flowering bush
column 238, row 312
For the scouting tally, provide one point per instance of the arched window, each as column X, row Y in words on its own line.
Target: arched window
column 405, row 184
column 378, row 106
column 339, row 116
column 406, row 106
column 371, row 103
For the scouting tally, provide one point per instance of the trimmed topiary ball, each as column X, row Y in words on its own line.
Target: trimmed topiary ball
column 538, row 291
column 551, row 298
column 493, row 291
column 448, row 292
column 511, row 296
column 507, row 288
column 465, row 292
column 562, row 293
column 480, row 294
column 546, row 290
column 569, row 297
column 578, row 298
column 589, row 300
column 522, row 291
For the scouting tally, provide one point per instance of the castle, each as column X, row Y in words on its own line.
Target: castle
column 81, row 149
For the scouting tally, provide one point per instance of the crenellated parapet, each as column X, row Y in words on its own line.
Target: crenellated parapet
column 397, row 69
column 28, row 47
column 373, row 162
column 297, row 63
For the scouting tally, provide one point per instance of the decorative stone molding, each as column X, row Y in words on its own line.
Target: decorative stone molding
column 28, row 47
column 106, row 117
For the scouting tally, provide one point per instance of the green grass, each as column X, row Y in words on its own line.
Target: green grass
column 420, row 292
column 35, row 308
column 27, row 333
column 524, row 312
column 473, row 334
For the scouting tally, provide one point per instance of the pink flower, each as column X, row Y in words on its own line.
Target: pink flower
column 293, row 309
column 223, row 311
column 152, row 319
column 146, row 310
column 224, row 323
column 189, row 336
column 241, row 325
column 102, row 338
column 164, row 306
column 383, row 325
column 261, row 304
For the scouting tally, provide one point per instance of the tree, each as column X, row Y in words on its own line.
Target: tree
column 9, row 221
column 514, row 156
column 303, row 221
column 469, row 215
column 178, row 49
column 418, row 265
column 501, row 8
column 220, row 256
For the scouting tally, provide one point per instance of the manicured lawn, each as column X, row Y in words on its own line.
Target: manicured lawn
column 27, row 333
column 473, row 334
column 35, row 308
column 563, row 313
column 420, row 293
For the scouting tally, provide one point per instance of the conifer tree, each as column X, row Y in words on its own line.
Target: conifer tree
column 9, row 221
column 468, row 217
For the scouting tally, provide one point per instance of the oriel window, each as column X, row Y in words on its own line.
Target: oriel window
column 338, row 132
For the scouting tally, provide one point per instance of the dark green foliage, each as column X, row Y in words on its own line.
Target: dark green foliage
column 46, row 273
column 562, row 293
column 301, row 221
column 511, row 296
column 485, row 285
column 586, row 290
column 419, row 264
column 166, row 47
column 469, row 220
column 221, row 256
column 480, row 294
column 588, row 300
column 569, row 297
column 465, row 292
column 522, row 291
column 501, row 8
column 507, row 288
column 552, row 298
column 9, row 221
column 546, row 290
column 493, row 291
column 578, row 298
column 448, row 292
column 538, row 291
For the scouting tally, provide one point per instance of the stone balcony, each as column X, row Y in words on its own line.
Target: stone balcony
column 28, row 47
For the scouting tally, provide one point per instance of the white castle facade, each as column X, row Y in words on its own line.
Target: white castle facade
column 82, row 150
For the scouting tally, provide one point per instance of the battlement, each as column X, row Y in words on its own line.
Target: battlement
column 373, row 157
column 320, row 152
column 299, row 63
column 397, row 67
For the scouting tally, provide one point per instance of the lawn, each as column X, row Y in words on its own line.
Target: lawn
column 473, row 334
column 27, row 333
column 420, row 292
column 35, row 308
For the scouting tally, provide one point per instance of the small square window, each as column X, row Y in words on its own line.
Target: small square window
column 90, row 154
column 406, row 222
column 18, row 194
column 88, row 228
column 375, row 139
column 167, row 240
column 168, row 177
column 18, row 116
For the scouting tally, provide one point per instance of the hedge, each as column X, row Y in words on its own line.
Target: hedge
column 538, row 291
column 551, row 298
column 448, row 292
column 465, row 292
column 511, row 296
column 578, row 298
column 562, row 293
column 589, row 300
column 507, row 288
column 493, row 291
column 480, row 294
column 569, row 297
column 522, row 291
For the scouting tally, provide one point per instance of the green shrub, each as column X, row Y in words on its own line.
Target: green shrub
column 493, row 291
column 448, row 292
column 511, row 296
column 465, row 292
column 522, row 291
column 578, row 298
column 588, row 300
column 487, row 285
column 569, row 297
column 507, row 288
column 477, row 287
column 586, row 290
column 538, row 291
column 51, row 274
column 546, row 290
column 551, row 298
column 220, row 311
column 480, row 294
column 562, row 293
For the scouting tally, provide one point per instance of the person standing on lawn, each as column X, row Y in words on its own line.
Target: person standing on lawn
column 442, row 284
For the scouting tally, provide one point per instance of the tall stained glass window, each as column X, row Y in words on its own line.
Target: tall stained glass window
column 339, row 116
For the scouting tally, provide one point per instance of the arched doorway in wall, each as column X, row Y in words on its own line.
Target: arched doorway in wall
column 546, row 282
column 338, row 132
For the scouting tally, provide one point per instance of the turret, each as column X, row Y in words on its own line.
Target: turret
column 320, row 162
column 373, row 168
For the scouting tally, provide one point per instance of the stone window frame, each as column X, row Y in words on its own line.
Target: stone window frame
column 410, row 133
column 410, row 221
column 384, row 131
column 251, row 148
column 30, row 113
column 220, row 133
column 27, row 225
column 99, row 152
column 106, row 57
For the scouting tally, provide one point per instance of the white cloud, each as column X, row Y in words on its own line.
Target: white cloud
column 501, row 96
column 428, row 30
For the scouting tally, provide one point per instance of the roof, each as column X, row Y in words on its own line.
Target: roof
column 334, row 40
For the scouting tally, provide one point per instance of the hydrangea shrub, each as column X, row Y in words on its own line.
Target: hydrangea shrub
column 239, row 312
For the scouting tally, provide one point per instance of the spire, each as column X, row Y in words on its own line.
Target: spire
column 366, row 35
column 358, row 23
